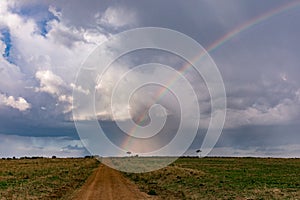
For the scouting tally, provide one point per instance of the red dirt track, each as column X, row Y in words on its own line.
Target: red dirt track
column 109, row 184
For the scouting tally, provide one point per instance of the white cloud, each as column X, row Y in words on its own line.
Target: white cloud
column 55, row 12
column 52, row 61
column 49, row 82
column 20, row 103
column 79, row 89
column 66, row 36
column 2, row 47
column 118, row 17
column 54, row 85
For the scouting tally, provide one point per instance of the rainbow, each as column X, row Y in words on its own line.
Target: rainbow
column 216, row 44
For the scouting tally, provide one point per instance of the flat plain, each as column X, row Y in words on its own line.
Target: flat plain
column 224, row 178
column 187, row 178
column 43, row 178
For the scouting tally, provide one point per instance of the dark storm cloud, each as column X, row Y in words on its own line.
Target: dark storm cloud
column 260, row 66
column 10, row 125
column 260, row 136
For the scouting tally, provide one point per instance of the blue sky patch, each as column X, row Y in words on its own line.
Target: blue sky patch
column 42, row 24
column 6, row 38
column 41, row 15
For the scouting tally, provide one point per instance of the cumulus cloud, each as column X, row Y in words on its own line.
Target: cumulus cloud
column 260, row 72
column 34, row 59
column 49, row 82
column 20, row 103
column 42, row 63
column 117, row 17
column 117, row 100
column 55, row 86
column 67, row 36
column 55, row 12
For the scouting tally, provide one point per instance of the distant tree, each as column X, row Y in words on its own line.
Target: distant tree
column 198, row 151
column 53, row 157
column 128, row 153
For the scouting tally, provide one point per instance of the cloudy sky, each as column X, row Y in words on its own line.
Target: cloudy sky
column 255, row 44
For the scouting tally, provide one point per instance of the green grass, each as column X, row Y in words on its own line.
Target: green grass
column 224, row 178
column 187, row 178
column 43, row 178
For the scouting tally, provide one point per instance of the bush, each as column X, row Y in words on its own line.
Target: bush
column 152, row 192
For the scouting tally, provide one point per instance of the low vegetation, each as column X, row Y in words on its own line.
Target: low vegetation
column 223, row 178
column 187, row 178
column 43, row 178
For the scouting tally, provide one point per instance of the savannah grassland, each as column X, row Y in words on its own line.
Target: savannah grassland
column 187, row 178
column 43, row 178
column 224, row 178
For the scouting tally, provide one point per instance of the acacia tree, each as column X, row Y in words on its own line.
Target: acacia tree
column 198, row 151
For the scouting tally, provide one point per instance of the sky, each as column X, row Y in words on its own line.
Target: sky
column 255, row 45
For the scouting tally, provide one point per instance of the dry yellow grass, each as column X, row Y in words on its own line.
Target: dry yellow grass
column 43, row 178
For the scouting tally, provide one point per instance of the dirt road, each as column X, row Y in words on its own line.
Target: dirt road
column 108, row 184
